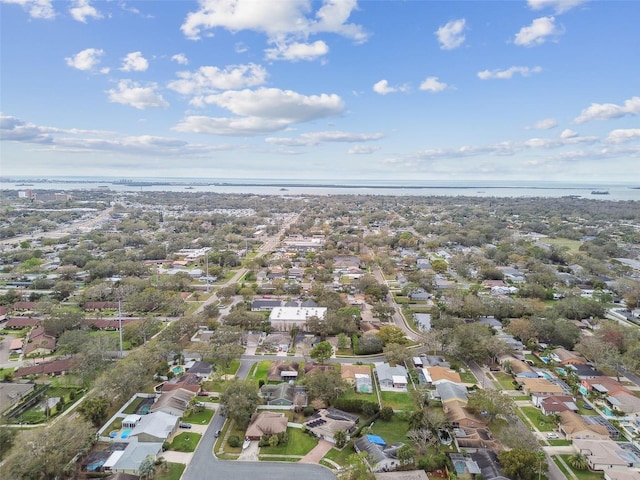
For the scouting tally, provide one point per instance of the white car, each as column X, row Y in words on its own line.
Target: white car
column 552, row 435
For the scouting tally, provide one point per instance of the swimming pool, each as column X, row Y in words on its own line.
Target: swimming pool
column 113, row 434
column 177, row 370
column 460, row 466
column 545, row 359
column 125, row 433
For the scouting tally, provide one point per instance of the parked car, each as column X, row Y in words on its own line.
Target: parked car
column 552, row 435
column 218, row 433
column 184, row 425
column 586, row 406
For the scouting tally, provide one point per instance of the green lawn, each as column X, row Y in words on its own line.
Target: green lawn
column 581, row 474
column 467, row 376
column 397, row 400
column 352, row 394
column 262, row 370
column 559, row 443
column 341, row 456
column 185, row 442
column 174, row 472
column 572, row 245
column 544, row 423
column 299, row 443
column 131, row 409
column 201, row 418
column 393, row 431
column 505, row 380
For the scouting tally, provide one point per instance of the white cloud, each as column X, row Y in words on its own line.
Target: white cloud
column 363, row 150
column 451, row 35
column 82, row 10
column 546, row 124
column 431, row 84
column 623, row 135
column 134, row 62
column 315, row 138
column 261, row 111
column 42, row 9
column 508, row 73
column 568, row 133
column 180, row 58
column 383, row 88
column 607, row 111
column 298, row 51
column 85, row 60
column 278, row 20
column 537, row 33
column 210, row 79
column 84, row 141
column 132, row 94
column 560, row 6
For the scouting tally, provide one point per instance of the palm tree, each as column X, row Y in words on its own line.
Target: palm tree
column 578, row 461
column 147, row 468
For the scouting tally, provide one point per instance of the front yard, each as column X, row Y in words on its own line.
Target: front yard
column 544, row 423
column 299, row 444
column 185, row 442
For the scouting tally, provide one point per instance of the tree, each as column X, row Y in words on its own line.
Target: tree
column 147, row 468
column 578, row 461
column 392, row 334
column 356, row 468
column 7, row 436
column 383, row 311
column 521, row 464
column 406, row 453
column 45, row 453
column 491, row 404
column 340, row 437
column 239, row 401
column 368, row 343
column 321, row 351
column 325, row 385
column 95, row 410
column 227, row 353
column 396, row 354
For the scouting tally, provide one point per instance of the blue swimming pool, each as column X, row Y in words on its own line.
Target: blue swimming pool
column 125, row 433
column 177, row 370
column 545, row 359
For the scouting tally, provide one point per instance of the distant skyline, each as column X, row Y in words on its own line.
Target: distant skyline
column 381, row 90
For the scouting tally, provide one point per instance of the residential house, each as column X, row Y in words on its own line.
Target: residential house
column 584, row 371
column 327, row 421
column 449, row 392
column 282, row 371
column 539, row 388
column 154, row 427
column 174, row 402
column 565, row 357
column 558, row 403
column 437, row 375
column 188, row 381
column 621, row 475
column 284, row 394
column 625, row 403
column 265, row 304
column 12, row 393
column 574, row 426
column 129, row 459
column 266, row 423
column 17, row 323
column 380, row 457
column 202, row 370
column 358, row 376
column 603, row 385
column 391, row 378
column 606, row 455
column 423, row 321
column 459, row 416
column 402, row 475
column 53, row 368
column 41, row 342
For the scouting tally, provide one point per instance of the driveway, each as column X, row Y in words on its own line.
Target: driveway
column 315, row 455
column 250, row 454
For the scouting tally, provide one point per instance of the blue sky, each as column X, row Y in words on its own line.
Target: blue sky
column 382, row 90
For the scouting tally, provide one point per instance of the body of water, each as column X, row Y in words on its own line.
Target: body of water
column 333, row 187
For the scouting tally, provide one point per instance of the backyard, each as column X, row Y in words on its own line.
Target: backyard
column 397, row 400
column 392, row 431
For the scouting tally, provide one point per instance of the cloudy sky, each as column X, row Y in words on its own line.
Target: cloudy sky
column 332, row 89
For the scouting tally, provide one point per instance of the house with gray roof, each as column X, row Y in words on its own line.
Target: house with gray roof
column 154, row 427
column 284, row 394
column 391, row 378
column 174, row 402
column 449, row 391
column 129, row 459
column 380, row 457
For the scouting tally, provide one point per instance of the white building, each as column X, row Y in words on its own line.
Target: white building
column 284, row 318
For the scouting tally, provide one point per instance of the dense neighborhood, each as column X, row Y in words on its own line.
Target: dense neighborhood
column 153, row 334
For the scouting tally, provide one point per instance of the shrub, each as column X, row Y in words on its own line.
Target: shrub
column 308, row 410
column 386, row 413
column 234, row 441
